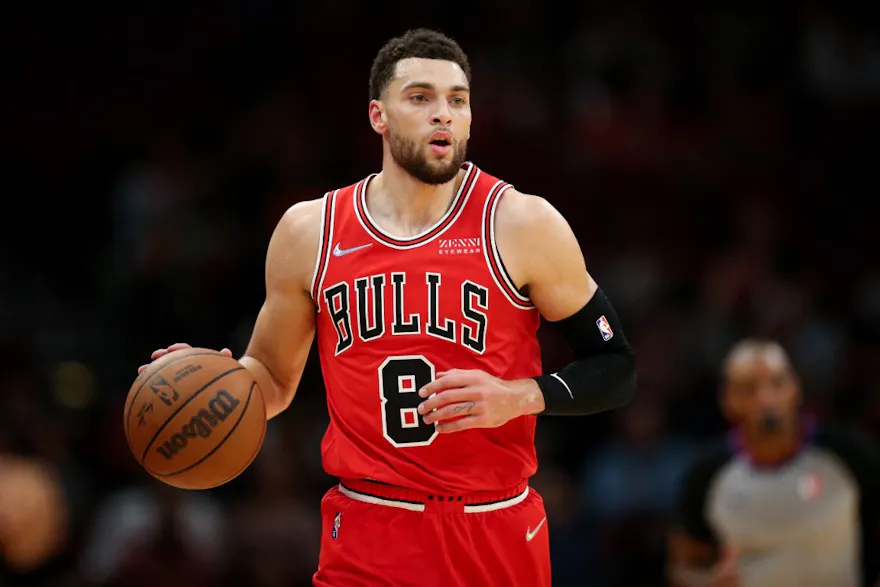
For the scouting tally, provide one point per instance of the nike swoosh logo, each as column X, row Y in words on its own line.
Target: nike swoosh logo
column 340, row 252
column 531, row 533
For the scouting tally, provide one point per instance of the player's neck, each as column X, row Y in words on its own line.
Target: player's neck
column 404, row 206
column 775, row 450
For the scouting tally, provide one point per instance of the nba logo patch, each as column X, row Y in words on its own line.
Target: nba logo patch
column 604, row 328
column 337, row 522
column 810, row 487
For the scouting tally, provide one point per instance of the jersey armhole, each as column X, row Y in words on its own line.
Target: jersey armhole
column 493, row 256
column 324, row 244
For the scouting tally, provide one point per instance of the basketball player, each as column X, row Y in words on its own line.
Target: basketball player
column 779, row 501
column 426, row 283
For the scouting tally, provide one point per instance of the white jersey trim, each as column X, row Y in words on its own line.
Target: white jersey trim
column 320, row 254
column 328, row 215
column 420, row 507
column 520, row 301
column 361, row 194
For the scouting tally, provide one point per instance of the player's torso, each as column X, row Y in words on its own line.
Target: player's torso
column 393, row 313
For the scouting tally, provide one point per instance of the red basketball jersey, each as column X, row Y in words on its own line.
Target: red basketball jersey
column 392, row 312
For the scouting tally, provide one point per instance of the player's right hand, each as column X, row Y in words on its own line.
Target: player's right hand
column 176, row 347
column 726, row 572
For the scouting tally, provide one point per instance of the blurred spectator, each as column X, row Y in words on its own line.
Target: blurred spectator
column 638, row 468
column 33, row 513
column 274, row 527
column 155, row 535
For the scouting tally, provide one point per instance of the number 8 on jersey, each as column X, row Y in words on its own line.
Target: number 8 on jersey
column 400, row 379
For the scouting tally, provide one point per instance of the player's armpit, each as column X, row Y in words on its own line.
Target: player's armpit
column 285, row 326
column 544, row 258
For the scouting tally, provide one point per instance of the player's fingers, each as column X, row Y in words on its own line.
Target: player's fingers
column 456, row 372
column 726, row 571
column 453, row 396
column 453, row 411
column 726, row 581
column 450, row 381
column 725, row 576
column 178, row 346
column 729, row 557
column 141, row 369
column 466, row 423
column 226, row 352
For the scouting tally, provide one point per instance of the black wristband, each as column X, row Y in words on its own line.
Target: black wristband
column 555, row 392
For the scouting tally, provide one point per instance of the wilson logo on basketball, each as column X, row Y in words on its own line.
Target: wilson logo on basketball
column 201, row 425
column 460, row 246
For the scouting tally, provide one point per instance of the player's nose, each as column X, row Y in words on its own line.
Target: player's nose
column 767, row 397
column 442, row 113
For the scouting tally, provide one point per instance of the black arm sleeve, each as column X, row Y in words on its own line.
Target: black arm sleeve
column 861, row 454
column 693, row 491
column 603, row 376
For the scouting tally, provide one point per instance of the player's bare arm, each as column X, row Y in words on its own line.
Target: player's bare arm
column 693, row 563
column 545, row 260
column 285, row 325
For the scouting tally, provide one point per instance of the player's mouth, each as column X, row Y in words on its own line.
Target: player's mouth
column 441, row 143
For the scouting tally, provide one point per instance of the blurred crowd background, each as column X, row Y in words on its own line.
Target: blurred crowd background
column 716, row 160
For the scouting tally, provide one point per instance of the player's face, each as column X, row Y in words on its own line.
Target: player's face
column 761, row 394
column 428, row 115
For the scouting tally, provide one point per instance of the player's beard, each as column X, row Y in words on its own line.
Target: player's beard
column 413, row 160
column 771, row 423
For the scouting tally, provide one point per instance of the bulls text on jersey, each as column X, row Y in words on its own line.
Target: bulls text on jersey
column 360, row 314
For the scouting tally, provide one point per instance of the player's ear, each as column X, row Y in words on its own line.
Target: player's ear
column 378, row 117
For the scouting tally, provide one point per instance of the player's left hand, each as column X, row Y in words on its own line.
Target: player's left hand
column 474, row 399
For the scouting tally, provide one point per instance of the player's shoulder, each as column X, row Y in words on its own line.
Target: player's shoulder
column 295, row 242
column 303, row 215
column 307, row 214
column 859, row 452
column 515, row 206
column 523, row 208
column 301, row 224
column 526, row 216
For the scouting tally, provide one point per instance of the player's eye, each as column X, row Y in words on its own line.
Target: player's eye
column 418, row 98
column 458, row 101
column 744, row 390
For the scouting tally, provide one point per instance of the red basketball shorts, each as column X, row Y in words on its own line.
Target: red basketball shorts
column 375, row 535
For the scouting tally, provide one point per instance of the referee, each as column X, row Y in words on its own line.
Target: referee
column 780, row 501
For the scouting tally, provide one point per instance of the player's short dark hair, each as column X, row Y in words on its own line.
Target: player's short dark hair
column 419, row 43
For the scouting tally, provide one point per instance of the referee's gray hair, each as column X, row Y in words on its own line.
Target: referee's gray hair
column 750, row 349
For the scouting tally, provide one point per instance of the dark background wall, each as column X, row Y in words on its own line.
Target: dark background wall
column 717, row 164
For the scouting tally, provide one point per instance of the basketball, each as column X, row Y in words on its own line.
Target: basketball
column 195, row 419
